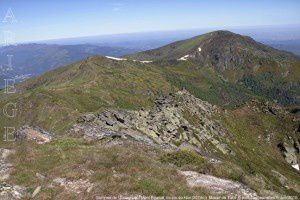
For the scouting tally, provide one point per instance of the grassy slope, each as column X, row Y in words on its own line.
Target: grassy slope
column 54, row 100
column 205, row 83
column 118, row 170
column 172, row 51
column 255, row 155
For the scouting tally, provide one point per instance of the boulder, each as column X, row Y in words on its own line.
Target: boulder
column 86, row 118
column 119, row 117
column 33, row 134
column 288, row 152
column 11, row 192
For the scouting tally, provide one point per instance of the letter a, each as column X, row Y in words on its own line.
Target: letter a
column 9, row 17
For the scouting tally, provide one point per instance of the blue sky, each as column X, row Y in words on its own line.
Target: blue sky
column 51, row 19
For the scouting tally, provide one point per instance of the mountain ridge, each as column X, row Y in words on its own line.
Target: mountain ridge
column 168, row 117
column 237, row 59
column 193, row 44
column 35, row 59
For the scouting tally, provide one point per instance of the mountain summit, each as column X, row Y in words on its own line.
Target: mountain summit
column 236, row 59
column 222, row 49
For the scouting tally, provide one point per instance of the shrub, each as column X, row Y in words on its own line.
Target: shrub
column 183, row 158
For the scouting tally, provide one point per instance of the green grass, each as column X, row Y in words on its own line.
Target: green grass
column 188, row 160
column 66, row 143
column 149, row 187
column 254, row 156
column 55, row 100
column 172, row 51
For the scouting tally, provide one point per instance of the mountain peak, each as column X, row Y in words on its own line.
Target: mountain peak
column 220, row 49
column 222, row 32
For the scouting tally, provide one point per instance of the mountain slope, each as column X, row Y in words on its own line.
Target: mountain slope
column 99, row 82
column 219, row 47
column 237, row 59
column 85, row 86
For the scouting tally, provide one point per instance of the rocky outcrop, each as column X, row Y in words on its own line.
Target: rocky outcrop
column 289, row 153
column 267, row 107
column 219, row 186
column 11, row 192
column 33, row 134
column 5, row 166
column 7, row 191
column 175, row 119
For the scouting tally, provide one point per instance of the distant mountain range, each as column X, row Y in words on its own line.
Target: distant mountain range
column 286, row 45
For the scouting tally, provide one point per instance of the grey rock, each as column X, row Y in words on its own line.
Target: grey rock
column 119, row 117
column 288, row 152
column 36, row 191
column 11, row 192
column 86, row 118
column 33, row 134
column 164, row 124
column 40, row 176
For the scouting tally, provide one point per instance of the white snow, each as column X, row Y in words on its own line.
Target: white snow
column 143, row 61
column 114, row 58
column 296, row 166
column 146, row 61
column 184, row 57
column 123, row 59
column 199, row 49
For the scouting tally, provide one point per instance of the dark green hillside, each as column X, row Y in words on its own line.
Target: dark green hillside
column 238, row 60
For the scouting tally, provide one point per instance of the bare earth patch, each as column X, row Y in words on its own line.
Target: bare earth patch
column 76, row 186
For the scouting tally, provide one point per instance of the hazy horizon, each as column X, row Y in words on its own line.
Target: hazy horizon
column 52, row 20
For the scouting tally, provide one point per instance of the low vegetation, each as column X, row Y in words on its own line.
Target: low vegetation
column 118, row 170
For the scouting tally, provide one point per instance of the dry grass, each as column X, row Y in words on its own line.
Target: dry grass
column 128, row 169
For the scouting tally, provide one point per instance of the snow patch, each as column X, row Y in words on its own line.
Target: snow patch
column 184, row 57
column 296, row 166
column 124, row 59
column 114, row 58
column 143, row 61
column 199, row 49
column 146, row 61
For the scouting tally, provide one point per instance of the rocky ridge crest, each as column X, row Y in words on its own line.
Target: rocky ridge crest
column 175, row 120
